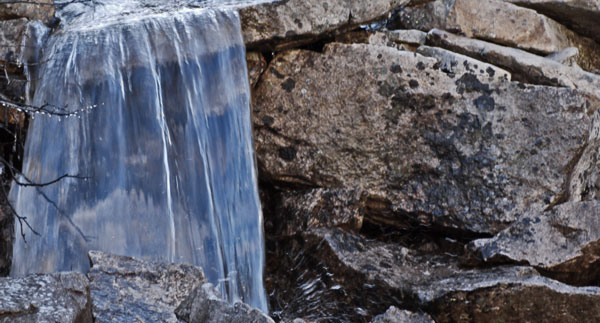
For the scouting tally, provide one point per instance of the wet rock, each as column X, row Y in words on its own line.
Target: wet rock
column 256, row 66
column 205, row 304
column 395, row 315
column 564, row 242
column 125, row 289
column 524, row 66
column 567, row 56
column 379, row 274
column 454, row 150
column 11, row 35
column 30, row 9
column 503, row 23
column 580, row 16
column 285, row 24
column 62, row 297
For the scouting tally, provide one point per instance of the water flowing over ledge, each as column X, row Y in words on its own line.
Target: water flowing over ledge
column 163, row 148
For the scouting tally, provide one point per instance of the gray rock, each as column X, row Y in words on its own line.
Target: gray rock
column 395, row 315
column 443, row 149
column 580, row 16
column 524, row 66
column 567, row 56
column 30, row 9
column 284, row 24
column 62, row 297
column 564, row 242
column 11, row 35
column 205, row 304
column 503, row 23
column 125, row 289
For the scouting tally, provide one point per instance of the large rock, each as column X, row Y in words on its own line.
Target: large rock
column 125, row 289
column 503, row 23
column 581, row 16
column 283, row 24
column 30, row 9
column 466, row 150
column 564, row 242
column 11, row 35
column 205, row 304
column 524, row 66
column 377, row 274
column 62, row 297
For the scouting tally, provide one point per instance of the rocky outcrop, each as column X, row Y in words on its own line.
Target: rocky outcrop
column 30, row 9
column 125, row 289
column 205, row 304
column 395, row 315
column 580, row 16
column 524, row 66
column 453, row 149
column 62, row 297
column 501, row 22
column 284, row 24
column 564, row 242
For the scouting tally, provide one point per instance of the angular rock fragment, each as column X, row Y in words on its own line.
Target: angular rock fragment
column 455, row 150
column 524, row 66
column 395, row 315
column 61, row 297
column 501, row 22
column 284, row 24
column 205, row 304
column 125, row 289
column 30, row 9
column 580, row 16
column 567, row 56
column 564, row 242
column 256, row 66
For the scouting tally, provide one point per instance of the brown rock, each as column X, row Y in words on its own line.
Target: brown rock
column 446, row 149
column 256, row 66
column 30, row 9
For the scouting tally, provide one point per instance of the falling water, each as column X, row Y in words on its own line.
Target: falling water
column 158, row 137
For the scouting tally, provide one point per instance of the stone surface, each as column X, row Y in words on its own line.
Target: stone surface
column 524, row 66
column 564, row 242
column 464, row 150
column 377, row 274
column 205, row 304
column 256, row 66
column 395, row 315
column 503, row 23
column 11, row 35
column 567, row 56
column 124, row 289
column 284, row 24
column 581, row 16
column 30, row 9
column 62, row 297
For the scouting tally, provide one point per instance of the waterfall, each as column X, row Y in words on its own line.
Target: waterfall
column 158, row 138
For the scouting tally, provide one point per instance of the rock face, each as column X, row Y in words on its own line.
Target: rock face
column 125, row 289
column 564, row 242
column 503, row 23
column 524, row 66
column 580, row 16
column 395, row 315
column 63, row 297
column 454, row 149
column 283, row 24
column 30, row 9
column 11, row 34
column 205, row 304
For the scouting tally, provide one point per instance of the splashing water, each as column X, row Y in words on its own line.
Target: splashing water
column 164, row 159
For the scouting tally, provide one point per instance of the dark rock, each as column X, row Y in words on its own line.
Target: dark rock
column 205, row 304
column 395, row 315
column 30, row 9
column 62, row 297
column 437, row 153
column 256, row 66
column 125, row 289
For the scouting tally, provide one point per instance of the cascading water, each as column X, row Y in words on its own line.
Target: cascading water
column 164, row 159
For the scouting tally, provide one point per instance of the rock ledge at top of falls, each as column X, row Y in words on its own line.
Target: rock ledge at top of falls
column 463, row 149
column 289, row 23
column 61, row 297
column 30, row 9
column 126, row 289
